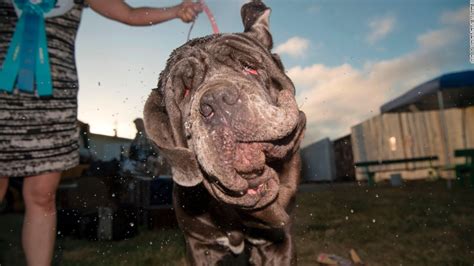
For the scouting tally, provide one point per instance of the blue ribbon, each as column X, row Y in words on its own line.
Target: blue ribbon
column 27, row 57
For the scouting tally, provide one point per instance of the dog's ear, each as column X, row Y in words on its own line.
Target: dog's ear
column 161, row 130
column 255, row 17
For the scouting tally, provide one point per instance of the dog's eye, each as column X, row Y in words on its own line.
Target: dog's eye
column 249, row 68
column 186, row 92
column 206, row 110
column 250, row 71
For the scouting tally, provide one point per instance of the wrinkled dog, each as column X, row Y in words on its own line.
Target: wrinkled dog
column 225, row 117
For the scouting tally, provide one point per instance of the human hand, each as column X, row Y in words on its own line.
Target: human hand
column 188, row 11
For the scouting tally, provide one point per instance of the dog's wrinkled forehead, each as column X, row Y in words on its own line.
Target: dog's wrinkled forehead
column 189, row 64
column 199, row 57
column 193, row 50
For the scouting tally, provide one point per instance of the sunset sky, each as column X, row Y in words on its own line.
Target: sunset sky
column 346, row 58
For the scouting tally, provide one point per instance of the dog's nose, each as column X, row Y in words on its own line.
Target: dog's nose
column 218, row 95
column 218, row 98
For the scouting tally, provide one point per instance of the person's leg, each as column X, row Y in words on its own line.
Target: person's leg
column 3, row 187
column 39, row 226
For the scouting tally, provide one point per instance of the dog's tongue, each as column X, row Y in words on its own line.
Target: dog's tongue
column 253, row 191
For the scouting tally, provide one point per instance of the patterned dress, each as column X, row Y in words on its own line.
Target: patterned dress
column 39, row 135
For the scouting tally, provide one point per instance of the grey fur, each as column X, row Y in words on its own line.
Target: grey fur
column 225, row 117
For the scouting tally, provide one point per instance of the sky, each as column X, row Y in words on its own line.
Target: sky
column 346, row 58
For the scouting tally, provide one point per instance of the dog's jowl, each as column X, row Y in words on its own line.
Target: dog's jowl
column 225, row 117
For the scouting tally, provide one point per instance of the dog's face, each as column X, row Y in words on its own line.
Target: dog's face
column 224, row 114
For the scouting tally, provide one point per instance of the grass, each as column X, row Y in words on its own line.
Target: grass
column 162, row 247
column 418, row 224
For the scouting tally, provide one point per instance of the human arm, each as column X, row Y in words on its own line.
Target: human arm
column 120, row 11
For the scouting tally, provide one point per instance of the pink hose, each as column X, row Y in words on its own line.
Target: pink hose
column 208, row 12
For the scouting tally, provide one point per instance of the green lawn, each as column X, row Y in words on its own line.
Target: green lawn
column 422, row 223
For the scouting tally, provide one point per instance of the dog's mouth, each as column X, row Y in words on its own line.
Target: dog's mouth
column 261, row 191
column 257, row 163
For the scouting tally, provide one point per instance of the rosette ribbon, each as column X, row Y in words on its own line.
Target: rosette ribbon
column 27, row 61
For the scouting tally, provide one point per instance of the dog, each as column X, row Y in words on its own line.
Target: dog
column 225, row 117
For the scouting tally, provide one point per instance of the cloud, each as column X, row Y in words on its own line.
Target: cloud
column 438, row 38
column 442, row 36
column 380, row 27
column 295, row 46
column 336, row 98
column 460, row 16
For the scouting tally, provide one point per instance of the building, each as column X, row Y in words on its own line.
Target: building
column 102, row 147
column 107, row 148
column 431, row 120
column 318, row 161
column 344, row 159
column 327, row 160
